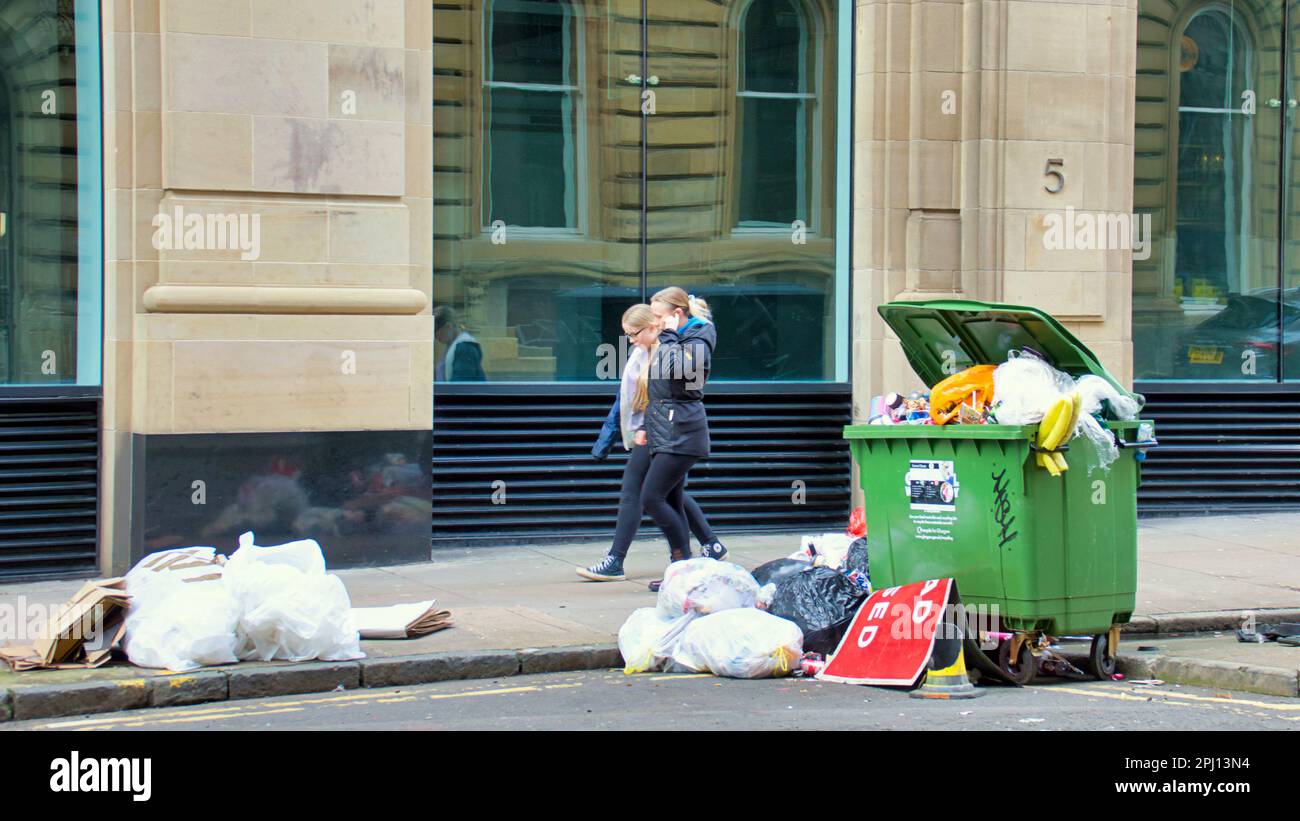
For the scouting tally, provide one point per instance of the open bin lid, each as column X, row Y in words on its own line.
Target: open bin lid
column 982, row 333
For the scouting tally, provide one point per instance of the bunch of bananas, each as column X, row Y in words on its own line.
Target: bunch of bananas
column 1055, row 430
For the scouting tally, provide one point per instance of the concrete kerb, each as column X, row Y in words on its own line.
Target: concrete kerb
column 42, row 701
column 1207, row 622
column 37, row 701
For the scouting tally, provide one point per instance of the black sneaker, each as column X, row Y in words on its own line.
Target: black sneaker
column 608, row 569
column 714, row 551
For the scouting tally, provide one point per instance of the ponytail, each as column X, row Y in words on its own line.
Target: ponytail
column 690, row 303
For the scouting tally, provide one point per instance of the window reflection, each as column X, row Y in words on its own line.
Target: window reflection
column 539, row 243
column 1206, row 303
column 48, row 156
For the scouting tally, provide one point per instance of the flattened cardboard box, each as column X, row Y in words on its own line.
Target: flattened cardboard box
column 83, row 633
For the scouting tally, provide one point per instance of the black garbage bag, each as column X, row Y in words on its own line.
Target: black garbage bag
column 774, row 571
column 855, row 564
column 822, row 602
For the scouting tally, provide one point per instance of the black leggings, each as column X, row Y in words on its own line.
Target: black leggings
column 663, row 497
column 630, row 510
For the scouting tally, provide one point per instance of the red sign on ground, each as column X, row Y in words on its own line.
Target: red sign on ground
column 891, row 637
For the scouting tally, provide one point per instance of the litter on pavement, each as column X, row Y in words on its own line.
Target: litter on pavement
column 83, row 631
column 192, row 607
column 400, row 621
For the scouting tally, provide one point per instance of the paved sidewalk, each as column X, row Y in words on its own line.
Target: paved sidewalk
column 518, row 597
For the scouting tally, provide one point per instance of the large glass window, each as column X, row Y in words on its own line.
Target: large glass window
column 530, row 164
column 1217, row 298
column 585, row 158
column 50, row 193
column 774, row 116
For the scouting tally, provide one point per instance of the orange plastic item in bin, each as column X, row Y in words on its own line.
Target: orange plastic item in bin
column 973, row 387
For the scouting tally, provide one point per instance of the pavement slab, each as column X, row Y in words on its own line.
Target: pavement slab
column 521, row 598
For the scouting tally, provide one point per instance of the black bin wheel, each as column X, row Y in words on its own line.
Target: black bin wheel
column 1098, row 663
column 1024, row 669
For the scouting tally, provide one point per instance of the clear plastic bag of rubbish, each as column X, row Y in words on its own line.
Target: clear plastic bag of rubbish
column 706, row 586
column 1025, row 388
column 1094, row 390
column 309, row 617
column 305, row 555
column 741, row 643
column 726, row 588
column 638, row 637
column 290, row 608
column 182, row 615
column 1097, row 397
column 823, row 549
column 178, row 625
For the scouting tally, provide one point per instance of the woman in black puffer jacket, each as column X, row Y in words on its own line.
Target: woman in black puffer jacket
column 676, row 426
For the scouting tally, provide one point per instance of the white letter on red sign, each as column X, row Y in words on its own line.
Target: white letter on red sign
column 878, row 610
column 930, row 585
column 891, row 591
column 863, row 638
column 922, row 610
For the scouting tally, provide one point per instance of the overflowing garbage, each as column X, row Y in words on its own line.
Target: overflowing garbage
column 263, row 604
column 1023, row 390
column 716, row 617
column 83, row 632
column 186, row 608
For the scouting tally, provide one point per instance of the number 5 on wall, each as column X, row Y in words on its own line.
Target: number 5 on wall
column 1052, row 172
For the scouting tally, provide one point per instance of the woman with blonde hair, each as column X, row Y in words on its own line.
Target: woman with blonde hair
column 676, row 425
column 627, row 417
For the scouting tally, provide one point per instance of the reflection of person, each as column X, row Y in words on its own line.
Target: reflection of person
column 627, row 417
column 462, row 360
column 676, row 425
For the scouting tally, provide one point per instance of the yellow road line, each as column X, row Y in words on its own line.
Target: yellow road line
column 562, row 686
column 189, row 719
column 1157, row 693
column 673, row 676
column 1240, row 702
column 256, row 709
column 488, row 692
column 1115, row 696
column 87, row 722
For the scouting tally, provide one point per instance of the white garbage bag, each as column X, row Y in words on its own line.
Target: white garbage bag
column 740, row 643
column 1025, row 388
column 706, row 586
column 639, row 636
column 823, row 550
column 182, row 615
column 304, row 555
column 289, row 607
column 1093, row 390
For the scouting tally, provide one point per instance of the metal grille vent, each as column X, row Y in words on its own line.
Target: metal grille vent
column 1221, row 450
column 533, row 452
column 49, row 481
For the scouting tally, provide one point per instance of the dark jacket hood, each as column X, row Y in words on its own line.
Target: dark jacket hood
column 706, row 332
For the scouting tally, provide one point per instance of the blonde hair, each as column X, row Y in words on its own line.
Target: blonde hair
column 691, row 304
column 639, row 317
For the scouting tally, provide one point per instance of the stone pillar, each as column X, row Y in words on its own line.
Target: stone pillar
column 268, row 343
column 960, row 106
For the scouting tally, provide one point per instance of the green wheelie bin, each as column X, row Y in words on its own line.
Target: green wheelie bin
column 1050, row 555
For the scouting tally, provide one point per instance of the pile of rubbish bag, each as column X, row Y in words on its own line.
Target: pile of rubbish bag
column 716, row 617
column 192, row 608
column 1024, row 390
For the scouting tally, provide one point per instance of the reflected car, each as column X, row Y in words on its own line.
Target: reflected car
column 1242, row 341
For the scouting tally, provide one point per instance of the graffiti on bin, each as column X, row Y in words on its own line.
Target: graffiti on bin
column 1002, row 508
